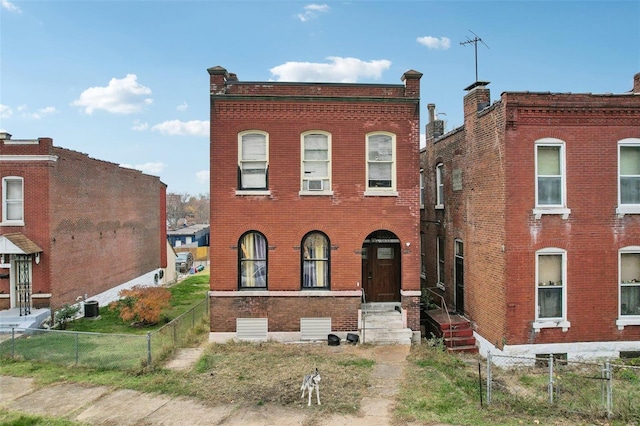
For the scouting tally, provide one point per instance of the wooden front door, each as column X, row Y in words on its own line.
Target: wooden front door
column 381, row 272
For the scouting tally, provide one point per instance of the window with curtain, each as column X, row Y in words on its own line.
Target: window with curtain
column 252, row 253
column 550, row 285
column 253, row 160
column 12, row 199
column 380, row 162
column 440, row 243
column 315, row 260
column 630, row 281
column 439, row 186
column 549, row 174
column 316, row 162
column 629, row 174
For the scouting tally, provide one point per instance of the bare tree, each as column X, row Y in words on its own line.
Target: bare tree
column 176, row 209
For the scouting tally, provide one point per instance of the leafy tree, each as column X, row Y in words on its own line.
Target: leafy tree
column 143, row 305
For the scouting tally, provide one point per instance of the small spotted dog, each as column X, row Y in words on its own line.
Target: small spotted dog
column 311, row 382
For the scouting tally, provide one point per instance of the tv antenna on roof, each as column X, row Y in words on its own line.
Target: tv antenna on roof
column 475, row 41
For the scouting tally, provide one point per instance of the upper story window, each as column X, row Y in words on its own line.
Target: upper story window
column 12, row 200
column 439, row 186
column 315, row 260
column 316, row 163
column 629, row 176
column 421, row 188
column 550, row 178
column 252, row 259
column 629, row 294
column 551, row 291
column 253, row 161
column 381, row 164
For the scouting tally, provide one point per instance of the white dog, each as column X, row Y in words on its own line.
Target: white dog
column 311, row 382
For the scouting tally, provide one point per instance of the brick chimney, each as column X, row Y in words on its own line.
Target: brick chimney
column 478, row 98
column 217, row 77
column 435, row 127
column 636, row 83
column 411, row 80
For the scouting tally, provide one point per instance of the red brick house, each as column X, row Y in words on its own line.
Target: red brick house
column 531, row 228
column 74, row 226
column 314, row 199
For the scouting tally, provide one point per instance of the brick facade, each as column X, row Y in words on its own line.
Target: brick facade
column 492, row 211
column 347, row 216
column 98, row 225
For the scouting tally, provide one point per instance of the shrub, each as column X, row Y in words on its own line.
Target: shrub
column 143, row 305
column 66, row 314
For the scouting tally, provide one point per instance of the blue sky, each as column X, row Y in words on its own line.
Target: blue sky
column 127, row 81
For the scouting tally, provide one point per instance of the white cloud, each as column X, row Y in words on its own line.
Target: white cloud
column 203, row 176
column 149, row 168
column 120, row 96
column 341, row 70
column 7, row 5
column 140, row 126
column 423, row 140
column 183, row 106
column 177, row 127
column 5, row 111
column 41, row 113
column 434, row 42
column 311, row 11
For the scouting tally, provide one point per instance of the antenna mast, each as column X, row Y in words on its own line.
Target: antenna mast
column 474, row 41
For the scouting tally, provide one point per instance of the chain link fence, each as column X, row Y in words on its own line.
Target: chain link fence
column 552, row 383
column 102, row 350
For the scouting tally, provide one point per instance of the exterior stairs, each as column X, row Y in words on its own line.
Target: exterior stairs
column 382, row 324
column 454, row 329
column 10, row 319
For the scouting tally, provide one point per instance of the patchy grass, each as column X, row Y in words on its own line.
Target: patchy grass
column 184, row 295
column 19, row 419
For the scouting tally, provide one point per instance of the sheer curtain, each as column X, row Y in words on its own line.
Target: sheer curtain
column 315, row 261
column 253, row 260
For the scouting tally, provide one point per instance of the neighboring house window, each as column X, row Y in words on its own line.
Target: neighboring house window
column 439, row 186
column 629, row 176
column 423, row 256
column 316, row 163
column 13, row 200
column 253, row 160
column 315, row 260
column 381, row 167
column 440, row 248
column 551, row 295
column 252, row 256
column 629, row 270
column 421, row 188
column 550, row 178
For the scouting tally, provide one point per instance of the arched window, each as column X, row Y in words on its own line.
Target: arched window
column 252, row 259
column 315, row 260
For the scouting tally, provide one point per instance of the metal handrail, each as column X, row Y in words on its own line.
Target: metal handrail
column 363, row 305
column 443, row 306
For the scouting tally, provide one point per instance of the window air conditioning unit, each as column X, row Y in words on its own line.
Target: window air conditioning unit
column 315, row 185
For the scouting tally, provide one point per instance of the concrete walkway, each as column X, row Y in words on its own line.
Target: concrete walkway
column 100, row 405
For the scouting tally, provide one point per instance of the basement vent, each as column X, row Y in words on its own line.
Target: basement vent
column 315, row 328
column 251, row 328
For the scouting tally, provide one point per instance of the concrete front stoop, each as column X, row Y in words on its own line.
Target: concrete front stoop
column 382, row 324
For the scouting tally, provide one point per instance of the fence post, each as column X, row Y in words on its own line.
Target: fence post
column 609, row 388
column 550, row 386
column 77, row 347
column 148, row 349
column 489, row 379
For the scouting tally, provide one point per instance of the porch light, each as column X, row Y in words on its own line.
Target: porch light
column 37, row 258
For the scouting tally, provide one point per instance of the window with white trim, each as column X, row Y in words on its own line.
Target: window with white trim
column 629, row 176
column 440, row 251
column 13, row 200
column 422, row 188
column 252, row 259
column 316, row 162
column 630, row 282
column 439, row 186
column 381, row 164
column 551, row 294
column 550, row 184
column 253, row 160
column 315, row 261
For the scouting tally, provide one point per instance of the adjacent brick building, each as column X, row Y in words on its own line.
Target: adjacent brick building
column 531, row 226
column 74, row 226
column 314, row 195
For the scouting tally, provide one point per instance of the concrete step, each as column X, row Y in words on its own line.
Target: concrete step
column 388, row 337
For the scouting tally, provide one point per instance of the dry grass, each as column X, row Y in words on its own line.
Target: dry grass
column 271, row 373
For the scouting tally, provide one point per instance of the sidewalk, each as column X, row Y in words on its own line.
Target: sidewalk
column 100, row 405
